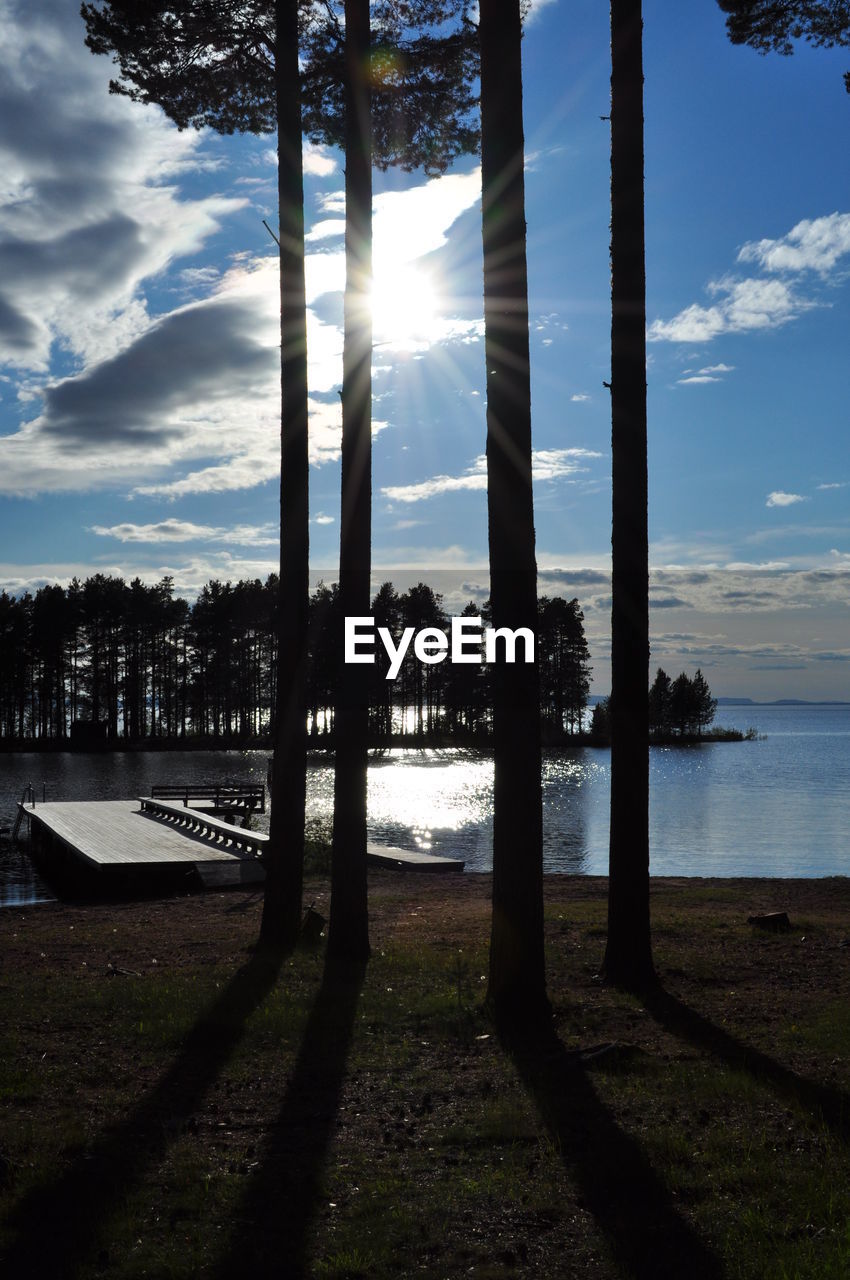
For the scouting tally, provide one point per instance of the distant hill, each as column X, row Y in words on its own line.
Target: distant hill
column 782, row 702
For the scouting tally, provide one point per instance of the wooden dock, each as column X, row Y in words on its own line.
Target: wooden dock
column 150, row 841
column 389, row 855
column 110, row 836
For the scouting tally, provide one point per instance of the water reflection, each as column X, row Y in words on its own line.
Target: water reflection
column 441, row 802
column 20, row 883
column 774, row 807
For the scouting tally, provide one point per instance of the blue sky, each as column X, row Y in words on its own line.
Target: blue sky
column 138, row 398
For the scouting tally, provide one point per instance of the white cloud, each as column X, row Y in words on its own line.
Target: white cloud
column 409, row 224
column 331, row 201
column 708, row 374
column 547, row 464
column 325, row 229
column 187, row 401
column 780, row 499
column 535, row 7
column 753, row 303
column 474, row 479
column 88, row 205
column 186, row 531
column 759, row 566
column 319, row 161
column 743, row 306
column 815, row 244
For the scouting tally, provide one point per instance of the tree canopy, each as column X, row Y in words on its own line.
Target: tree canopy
column 213, row 66
column 774, row 25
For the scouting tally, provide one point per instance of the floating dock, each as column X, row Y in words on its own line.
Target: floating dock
column 152, row 841
column 388, row 855
column 110, row 837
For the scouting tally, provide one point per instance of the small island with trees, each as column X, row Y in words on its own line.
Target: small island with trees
column 680, row 711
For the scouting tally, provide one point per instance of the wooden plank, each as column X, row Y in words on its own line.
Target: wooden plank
column 114, row 833
column 388, row 855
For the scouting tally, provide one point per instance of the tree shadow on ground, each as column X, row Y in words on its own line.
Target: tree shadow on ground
column 270, row 1237
column 57, row 1225
column 824, row 1102
column 615, row 1181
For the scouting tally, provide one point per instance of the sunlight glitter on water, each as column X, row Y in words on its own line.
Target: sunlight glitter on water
column 436, row 801
column 776, row 806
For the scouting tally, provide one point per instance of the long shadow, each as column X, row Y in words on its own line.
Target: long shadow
column 824, row 1102
column 616, row 1182
column 57, row 1225
column 270, row 1237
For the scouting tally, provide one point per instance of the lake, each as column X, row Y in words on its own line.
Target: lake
column 779, row 806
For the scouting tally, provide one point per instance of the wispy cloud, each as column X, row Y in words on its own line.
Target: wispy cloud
column 547, row 464
column 711, row 373
column 186, row 531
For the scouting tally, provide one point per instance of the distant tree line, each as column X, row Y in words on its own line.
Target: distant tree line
column 107, row 662
column 682, row 708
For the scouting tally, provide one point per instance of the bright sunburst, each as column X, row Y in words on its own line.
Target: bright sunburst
column 404, row 306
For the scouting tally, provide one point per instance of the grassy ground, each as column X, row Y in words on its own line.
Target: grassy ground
column 172, row 1106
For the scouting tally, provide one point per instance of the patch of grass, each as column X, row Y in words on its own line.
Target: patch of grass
column 424, row 1150
column 823, row 1030
column 346, row 1264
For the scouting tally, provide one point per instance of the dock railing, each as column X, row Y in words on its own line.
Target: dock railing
column 27, row 794
column 223, row 796
column 235, row 840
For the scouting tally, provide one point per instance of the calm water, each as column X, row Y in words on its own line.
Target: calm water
column 777, row 807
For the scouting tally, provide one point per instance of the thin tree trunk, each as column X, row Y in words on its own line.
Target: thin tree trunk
column 348, row 933
column 628, row 955
column 517, row 984
column 284, row 867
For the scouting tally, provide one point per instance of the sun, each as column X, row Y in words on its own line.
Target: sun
column 405, row 307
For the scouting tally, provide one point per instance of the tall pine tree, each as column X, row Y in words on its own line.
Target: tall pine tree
column 628, row 953
column 517, row 982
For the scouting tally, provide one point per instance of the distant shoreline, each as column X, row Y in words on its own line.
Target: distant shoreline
column 324, row 743
column 783, row 702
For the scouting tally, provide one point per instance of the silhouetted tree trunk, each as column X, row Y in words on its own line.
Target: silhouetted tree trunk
column 284, row 866
column 348, row 933
column 628, row 955
column 517, row 985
